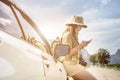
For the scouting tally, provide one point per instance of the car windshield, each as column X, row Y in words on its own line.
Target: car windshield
column 9, row 24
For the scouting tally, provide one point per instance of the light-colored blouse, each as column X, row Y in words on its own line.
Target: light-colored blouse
column 71, row 62
column 68, row 39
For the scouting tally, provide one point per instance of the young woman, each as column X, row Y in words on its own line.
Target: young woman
column 71, row 61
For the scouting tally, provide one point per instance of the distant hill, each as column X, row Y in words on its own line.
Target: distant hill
column 115, row 59
column 86, row 56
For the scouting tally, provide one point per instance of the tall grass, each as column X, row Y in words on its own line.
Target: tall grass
column 113, row 66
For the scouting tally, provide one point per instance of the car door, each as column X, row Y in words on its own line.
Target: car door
column 18, row 60
column 23, row 55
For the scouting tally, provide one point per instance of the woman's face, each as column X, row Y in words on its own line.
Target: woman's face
column 78, row 28
column 75, row 28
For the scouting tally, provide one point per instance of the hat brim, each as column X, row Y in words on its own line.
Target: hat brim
column 74, row 23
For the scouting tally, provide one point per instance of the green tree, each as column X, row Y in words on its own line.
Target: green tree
column 103, row 56
column 93, row 59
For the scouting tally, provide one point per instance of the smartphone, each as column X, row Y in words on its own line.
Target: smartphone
column 90, row 40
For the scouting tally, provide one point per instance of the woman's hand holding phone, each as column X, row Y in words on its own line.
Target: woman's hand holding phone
column 85, row 43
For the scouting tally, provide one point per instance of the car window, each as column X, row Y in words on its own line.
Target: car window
column 29, row 31
column 8, row 22
column 31, row 35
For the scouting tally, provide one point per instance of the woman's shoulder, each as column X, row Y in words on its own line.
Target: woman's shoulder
column 67, row 34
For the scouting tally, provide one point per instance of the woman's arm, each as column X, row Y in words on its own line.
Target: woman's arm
column 79, row 47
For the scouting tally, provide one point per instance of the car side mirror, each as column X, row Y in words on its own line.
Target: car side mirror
column 61, row 50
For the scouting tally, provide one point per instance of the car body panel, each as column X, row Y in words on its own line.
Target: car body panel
column 25, row 62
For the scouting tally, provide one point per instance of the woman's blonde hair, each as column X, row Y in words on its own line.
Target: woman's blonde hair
column 71, row 28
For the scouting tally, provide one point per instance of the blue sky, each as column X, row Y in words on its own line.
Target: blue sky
column 101, row 16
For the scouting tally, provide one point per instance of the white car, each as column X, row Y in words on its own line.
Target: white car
column 20, row 57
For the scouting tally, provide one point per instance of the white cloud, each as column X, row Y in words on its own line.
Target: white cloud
column 90, row 14
column 105, row 2
column 5, row 21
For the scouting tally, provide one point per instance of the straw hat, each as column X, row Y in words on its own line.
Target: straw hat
column 77, row 20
